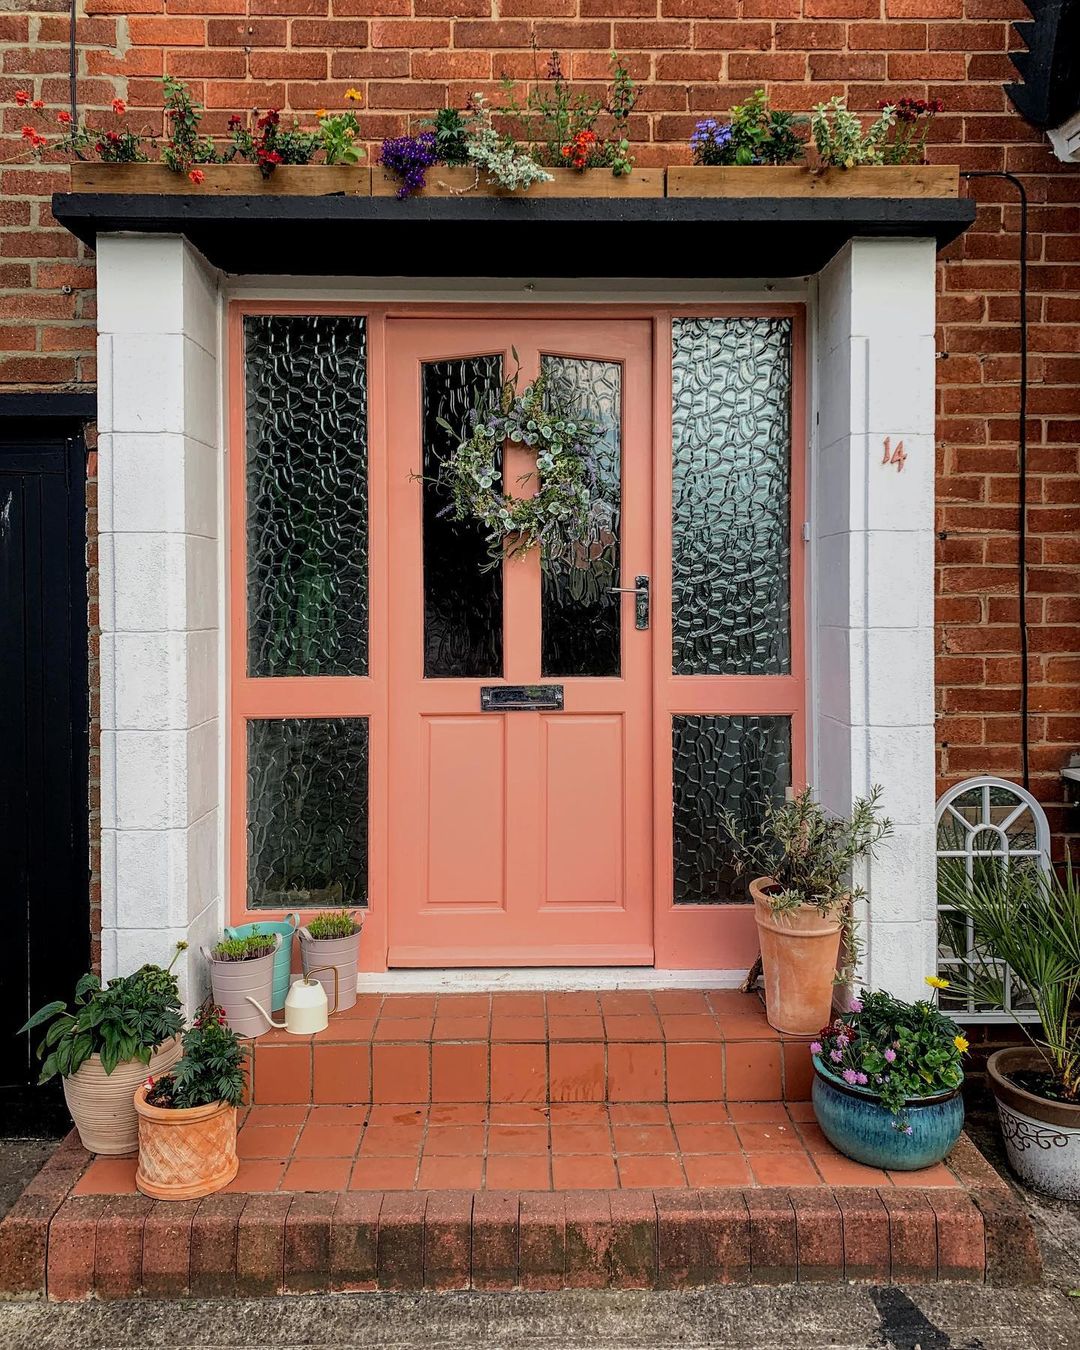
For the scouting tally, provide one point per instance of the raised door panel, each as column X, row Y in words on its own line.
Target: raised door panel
column 583, row 776
column 465, row 791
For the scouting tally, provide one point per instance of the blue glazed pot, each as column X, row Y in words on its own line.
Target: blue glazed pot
column 855, row 1122
column 283, row 959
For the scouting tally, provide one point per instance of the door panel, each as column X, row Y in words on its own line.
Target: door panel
column 535, row 844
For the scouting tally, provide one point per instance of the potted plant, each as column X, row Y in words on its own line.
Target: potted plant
column 286, row 927
column 1027, row 922
column 242, row 979
column 800, row 863
column 330, row 951
column 187, row 1117
column 883, row 159
column 103, row 1047
column 887, row 1081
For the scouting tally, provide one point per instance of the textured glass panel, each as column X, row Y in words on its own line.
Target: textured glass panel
column 579, row 615
column 462, row 592
column 731, row 430
column 307, row 494
column 734, row 764
column 307, row 811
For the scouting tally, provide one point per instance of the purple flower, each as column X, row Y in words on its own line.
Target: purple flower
column 815, row 1047
column 908, row 1129
column 409, row 157
column 710, row 142
column 856, row 1005
column 890, row 1054
column 835, row 1056
column 850, row 1076
column 862, row 1080
column 843, row 1041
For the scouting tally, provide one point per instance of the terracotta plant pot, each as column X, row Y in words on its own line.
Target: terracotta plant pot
column 799, row 949
column 239, row 985
column 322, row 956
column 185, row 1154
column 1042, row 1137
column 101, row 1103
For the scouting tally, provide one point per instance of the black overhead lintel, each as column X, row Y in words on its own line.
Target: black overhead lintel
column 497, row 236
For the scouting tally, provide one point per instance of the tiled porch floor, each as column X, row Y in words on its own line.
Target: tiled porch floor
column 563, row 1146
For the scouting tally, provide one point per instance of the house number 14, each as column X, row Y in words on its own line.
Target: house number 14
column 897, row 456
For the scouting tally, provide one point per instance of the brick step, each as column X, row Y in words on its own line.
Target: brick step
column 620, row 1046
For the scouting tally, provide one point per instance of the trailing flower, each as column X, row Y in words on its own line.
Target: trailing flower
column 409, row 157
column 756, row 134
column 896, row 1050
column 185, row 146
column 495, row 153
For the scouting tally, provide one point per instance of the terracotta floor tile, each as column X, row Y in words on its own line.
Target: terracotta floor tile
column 840, row 1171
column 580, row 1138
column 814, row 1139
column 938, row 1175
column 517, row 1113
column 747, row 1027
column 761, row 1111
column 715, row 1169
column 316, row 1174
column 578, row 1071
column 383, row 1174
column 635, row 1071
column 342, row 1073
column 518, row 1174
column 277, row 1115
column 572, row 1003
column 463, row 1005
column 583, row 1172
column 338, row 1115
column 699, row 1113
column 518, row 1073
column 408, row 1005
column 404, row 1029
column 576, row 1028
column 450, row 1174
column 643, row 1138
column 517, row 1139
column 639, row 1027
column 715, row 1138
column 108, row 1176
column 400, row 1073
column 446, row 1140
column 769, row 1137
column 518, row 1028
column 783, row 1169
column 681, row 1001
column 649, row 1170
column 328, row 1141
column 695, row 1073
column 347, row 1029
column 627, row 1003
column 459, row 1073
column 366, row 1005
column 458, row 1113
column 801, row 1110
column 578, row 1113
column 690, row 1027
column 390, row 1114
column 517, row 1005
column 282, row 1074
column 638, row 1113
column 460, row 1029
column 751, row 1071
column 725, row 1001
column 266, row 1141
column 260, row 1175
column 391, row 1141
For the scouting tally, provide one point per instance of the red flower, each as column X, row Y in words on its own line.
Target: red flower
column 34, row 137
column 64, row 118
column 119, row 107
column 38, row 104
column 22, row 98
column 235, row 122
column 196, row 176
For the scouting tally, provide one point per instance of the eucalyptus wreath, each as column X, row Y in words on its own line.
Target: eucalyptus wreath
column 567, row 518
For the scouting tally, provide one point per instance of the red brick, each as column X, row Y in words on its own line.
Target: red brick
column 961, row 1243
column 119, row 1246
column 542, row 1241
column 448, row 1240
column 307, row 1244
column 495, row 1240
column 725, row 1237
column 166, row 1254
column 773, row 1243
column 912, row 1235
column 679, row 1240
column 213, row 1245
column 633, row 1252
column 819, row 1235
column 72, row 1240
column 401, row 1240
column 588, row 1238
column 1012, row 1249
column 354, row 1242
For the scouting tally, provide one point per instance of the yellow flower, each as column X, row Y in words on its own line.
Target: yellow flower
column 936, row 982
column 320, row 112
column 355, row 95
column 960, row 1044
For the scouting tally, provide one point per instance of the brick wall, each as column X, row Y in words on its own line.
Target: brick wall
column 696, row 57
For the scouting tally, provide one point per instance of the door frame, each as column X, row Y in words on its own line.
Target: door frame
column 681, row 933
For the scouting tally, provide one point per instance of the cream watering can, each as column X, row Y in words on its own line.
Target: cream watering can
column 306, row 1007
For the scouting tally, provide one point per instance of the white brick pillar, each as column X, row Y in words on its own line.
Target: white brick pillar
column 872, row 581
column 161, row 719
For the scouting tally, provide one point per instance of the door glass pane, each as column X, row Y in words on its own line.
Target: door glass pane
column 731, row 492
column 307, row 798
column 580, row 617
column 720, row 764
column 463, row 627
column 307, row 494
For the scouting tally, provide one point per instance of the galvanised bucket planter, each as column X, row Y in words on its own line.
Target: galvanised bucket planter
column 334, row 963
column 239, row 986
column 286, row 928
column 855, row 1122
column 1042, row 1137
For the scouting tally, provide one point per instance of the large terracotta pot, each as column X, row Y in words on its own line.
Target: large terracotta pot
column 101, row 1103
column 323, row 956
column 799, row 949
column 185, row 1154
column 1042, row 1137
column 244, row 990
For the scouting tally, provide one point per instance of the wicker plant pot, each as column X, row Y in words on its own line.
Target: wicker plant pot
column 185, row 1154
column 799, row 948
column 802, row 180
column 101, row 1103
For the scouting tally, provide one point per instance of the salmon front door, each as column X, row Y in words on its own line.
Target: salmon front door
column 523, row 835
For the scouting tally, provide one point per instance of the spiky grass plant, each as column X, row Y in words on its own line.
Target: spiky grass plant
column 337, row 924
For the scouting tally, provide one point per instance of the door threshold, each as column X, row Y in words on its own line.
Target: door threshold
column 493, row 979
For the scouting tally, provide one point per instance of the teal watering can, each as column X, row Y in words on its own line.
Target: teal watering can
column 283, row 957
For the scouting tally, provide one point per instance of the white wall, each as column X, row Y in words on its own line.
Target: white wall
column 159, row 458
column 872, row 581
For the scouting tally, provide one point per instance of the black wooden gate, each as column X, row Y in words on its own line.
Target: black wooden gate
column 44, row 884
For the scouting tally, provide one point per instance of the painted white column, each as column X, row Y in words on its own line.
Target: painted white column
column 872, row 582
column 161, row 723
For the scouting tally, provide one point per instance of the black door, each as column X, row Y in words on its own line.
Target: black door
column 44, row 890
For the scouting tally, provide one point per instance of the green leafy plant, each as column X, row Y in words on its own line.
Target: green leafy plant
column 184, row 146
column 451, row 133
column 496, row 154
column 211, row 1070
column 337, row 924
column 1028, row 921
column 755, row 134
column 894, row 1049
column 248, row 948
column 268, row 144
column 840, row 139
column 129, row 1018
column 338, row 134
column 570, row 128
column 809, row 853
